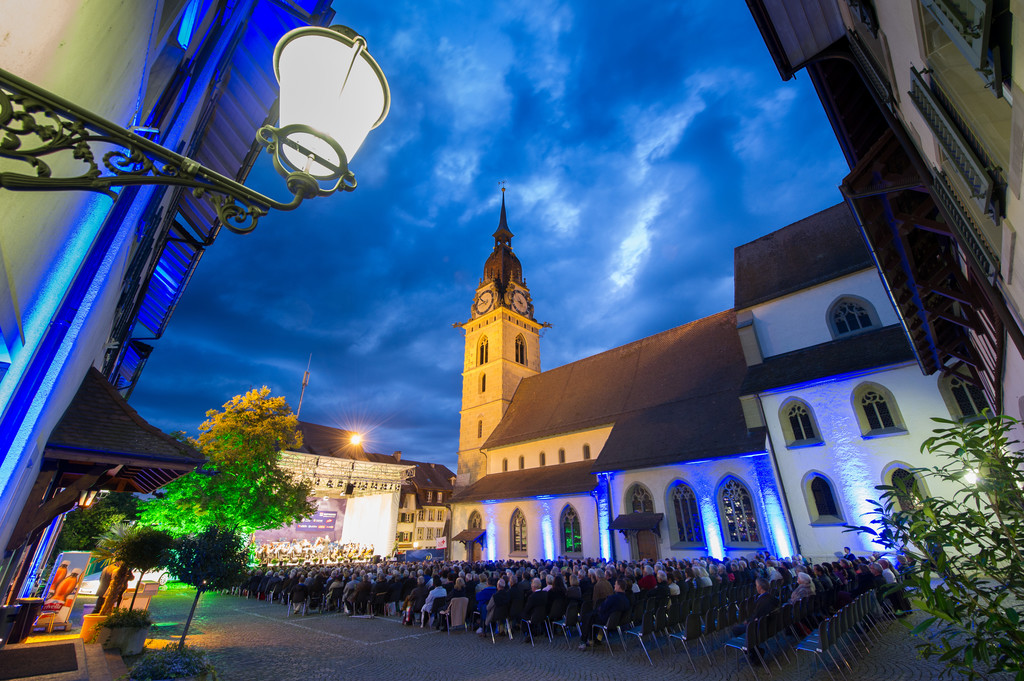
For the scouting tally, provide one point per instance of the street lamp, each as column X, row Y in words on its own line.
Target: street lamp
column 332, row 94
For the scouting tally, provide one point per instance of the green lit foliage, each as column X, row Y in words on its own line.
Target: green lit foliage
column 84, row 526
column 246, row 491
column 212, row 559
column 134, row 547
column 969, row 544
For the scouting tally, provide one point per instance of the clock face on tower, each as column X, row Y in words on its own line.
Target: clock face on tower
column 484, row 302
column 519, row 302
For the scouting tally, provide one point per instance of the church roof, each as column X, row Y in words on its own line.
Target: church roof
column 566, row 478
column 672, row 397
column 335, row 442
column 819, row 248
column 879, row 348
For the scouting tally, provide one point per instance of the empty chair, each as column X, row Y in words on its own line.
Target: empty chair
column 612, row 625
column 692, row 631
column 645, row 629
column 455, row 615
column 570, row 621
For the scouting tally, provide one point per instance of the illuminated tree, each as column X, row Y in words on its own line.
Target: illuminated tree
column 965, row 551
column 241, row 489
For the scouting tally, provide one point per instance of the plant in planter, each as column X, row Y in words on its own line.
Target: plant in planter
column 128, row 629
column 173, row 662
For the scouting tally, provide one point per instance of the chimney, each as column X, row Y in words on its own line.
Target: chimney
column 398, row 456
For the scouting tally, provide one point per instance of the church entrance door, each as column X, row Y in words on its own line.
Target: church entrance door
column 477, row 552
column 646, row 545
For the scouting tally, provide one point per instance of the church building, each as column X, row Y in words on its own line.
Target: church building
column 765, row 427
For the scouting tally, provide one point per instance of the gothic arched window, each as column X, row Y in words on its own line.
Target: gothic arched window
column 522, row 462
column 640, row 499
column 480, row 428
column 738, row 513
column 877, row 410
column 521, row 349
column 798, row 424
column 572, row 536
column 850, row 315
column 964, row 399
column 687, row 512
column 561, row 456
column 518, row 533
column 481, row 352
column 543, row 459
column 823, row 507
column 483, row 383
column 908, row 491
column 586, row 452
column 504, row 465
column 475, row 521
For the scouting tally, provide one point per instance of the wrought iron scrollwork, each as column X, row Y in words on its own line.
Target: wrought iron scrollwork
column 37, row 127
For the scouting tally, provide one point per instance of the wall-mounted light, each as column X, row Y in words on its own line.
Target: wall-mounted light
column 332, row 94
column 86, row 497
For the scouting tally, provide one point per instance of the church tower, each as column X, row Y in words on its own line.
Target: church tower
column 502, row 348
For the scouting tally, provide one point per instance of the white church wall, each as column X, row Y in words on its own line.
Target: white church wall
column 572, row 443
column 542, row 526
column 852, row 463
column 800, row 320
column 705, row 478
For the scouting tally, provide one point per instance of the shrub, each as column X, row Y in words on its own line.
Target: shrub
column 132, row 619
column 172, row 662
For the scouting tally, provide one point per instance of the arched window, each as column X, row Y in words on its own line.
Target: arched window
column 518, row 533
column 738, row 512
column 964, row 399
column 908, row 491
column 521, row 350
column 572, row 536
column 561, row 456
column 876, row 410
column 543, row 459
column 640, row 500
column 798, row 424
column 481, row 351
column 821, row 500
column 483, row 382
column 475, row 521
column 850, row 315
column 586, row 452
column 504, row 465
column 522, row 462
column 480, row 428
column 687, row 514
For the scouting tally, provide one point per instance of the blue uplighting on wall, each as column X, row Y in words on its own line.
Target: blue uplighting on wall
column 547, row 531
column 771, row 501
column 491, row 541
column 604, row 534
column 712, row 526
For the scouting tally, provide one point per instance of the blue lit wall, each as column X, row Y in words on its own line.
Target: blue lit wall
column 777, row 536
column 604, row 535
column 492, row 532
column 547, row 530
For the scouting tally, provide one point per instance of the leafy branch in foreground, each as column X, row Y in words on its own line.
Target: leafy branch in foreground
column 964, row 548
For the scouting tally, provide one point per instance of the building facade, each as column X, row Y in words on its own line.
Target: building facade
column 925, row 99
column 90, row 281
column 761, row 428
column 424, row 512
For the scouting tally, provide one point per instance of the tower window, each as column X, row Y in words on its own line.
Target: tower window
column 483, row 382
column 543, row 459
column 481, row 352
column 480, row 428
column 561, row 456
column 521, row 350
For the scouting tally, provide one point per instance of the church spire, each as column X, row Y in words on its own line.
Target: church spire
column 503, row 235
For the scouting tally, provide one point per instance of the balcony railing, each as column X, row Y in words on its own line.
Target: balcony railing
column 963, row 224
column 872, row 70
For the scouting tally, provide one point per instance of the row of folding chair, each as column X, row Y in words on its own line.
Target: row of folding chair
column 846, row 633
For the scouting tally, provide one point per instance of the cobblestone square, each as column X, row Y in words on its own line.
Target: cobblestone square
column 250, row 639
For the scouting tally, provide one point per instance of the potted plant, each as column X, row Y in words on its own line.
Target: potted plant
column 173, row 662
column 127, row 630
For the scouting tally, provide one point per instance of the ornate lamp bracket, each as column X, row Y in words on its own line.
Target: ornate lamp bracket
column 48, row 134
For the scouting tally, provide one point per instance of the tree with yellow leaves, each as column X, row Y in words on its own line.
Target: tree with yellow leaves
column 242, row 488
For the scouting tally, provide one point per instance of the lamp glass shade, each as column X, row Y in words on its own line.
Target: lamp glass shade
column 330, row 83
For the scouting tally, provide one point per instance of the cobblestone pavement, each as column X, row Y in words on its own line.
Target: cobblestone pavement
column 251, row 640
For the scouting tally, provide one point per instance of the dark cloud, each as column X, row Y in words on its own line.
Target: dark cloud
column 642, row 142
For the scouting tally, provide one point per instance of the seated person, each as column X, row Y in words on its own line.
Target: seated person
column 616, row 602
column 536, row 607
column 428, row 606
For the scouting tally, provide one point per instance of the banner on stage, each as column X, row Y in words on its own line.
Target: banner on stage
column 322, row 521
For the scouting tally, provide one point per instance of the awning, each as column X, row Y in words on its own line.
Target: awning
column 467, row 536
column 637, row 521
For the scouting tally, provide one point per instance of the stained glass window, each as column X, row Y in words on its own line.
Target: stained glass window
column 572, row 538
column 824, row 501
column 684, row 503
column 518, row 533
column 848, row 316
column 738, row 509
column 641, row 500
column 801, row 423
